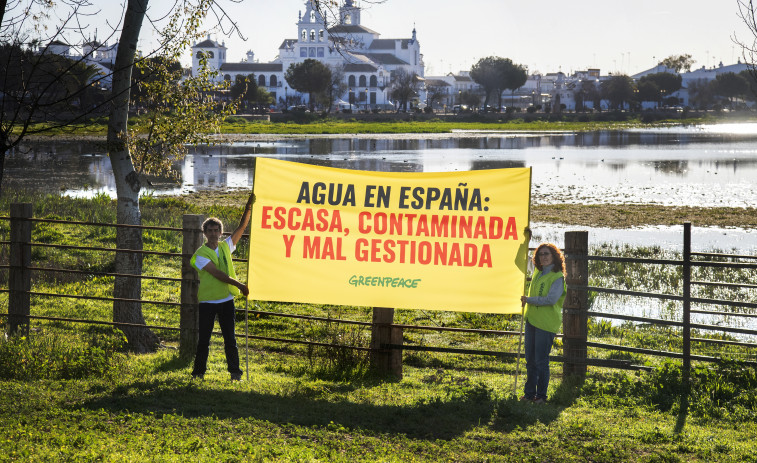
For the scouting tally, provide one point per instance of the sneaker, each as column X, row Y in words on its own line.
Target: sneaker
column 526, row 399
column 236, row 376
column 540, row 401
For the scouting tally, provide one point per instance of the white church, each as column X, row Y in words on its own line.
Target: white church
column 369, row 62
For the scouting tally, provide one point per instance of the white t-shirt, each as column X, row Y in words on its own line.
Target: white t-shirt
column 201, row 262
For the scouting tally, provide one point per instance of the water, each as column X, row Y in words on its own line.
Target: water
column 704, row 165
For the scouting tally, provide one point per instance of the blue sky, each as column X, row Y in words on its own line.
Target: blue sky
column 545, row 35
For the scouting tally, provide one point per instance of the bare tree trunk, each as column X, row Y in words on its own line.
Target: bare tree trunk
column 127, row 187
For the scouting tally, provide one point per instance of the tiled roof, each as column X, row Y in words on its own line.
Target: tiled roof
column 382, row 44
column 207, row 43
column 350, row 29
column 384, row 58
column 287, row 43
column 251, row 67
column 359, row 67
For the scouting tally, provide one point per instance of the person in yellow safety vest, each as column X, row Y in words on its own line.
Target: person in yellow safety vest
column 218, row 286
column 543, row 318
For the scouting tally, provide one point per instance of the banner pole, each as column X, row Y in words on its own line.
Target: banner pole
column 517, row 363
column 246, row 342
column 525, row 291
column 249, row 268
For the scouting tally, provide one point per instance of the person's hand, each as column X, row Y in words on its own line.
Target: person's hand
column 250, row 202
column 244, row 290
column 523, row 301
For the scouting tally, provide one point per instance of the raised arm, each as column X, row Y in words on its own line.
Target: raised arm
column 237, row 234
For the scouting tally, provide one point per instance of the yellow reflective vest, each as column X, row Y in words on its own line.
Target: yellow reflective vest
column 211, row 288
column 545, row 317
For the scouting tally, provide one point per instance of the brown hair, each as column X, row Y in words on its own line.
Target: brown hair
column 557, row 257
column 211, row 221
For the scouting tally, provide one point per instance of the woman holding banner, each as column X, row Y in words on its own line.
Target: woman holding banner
column 543, row 318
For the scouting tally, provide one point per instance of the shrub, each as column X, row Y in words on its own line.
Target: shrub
column 98, row 352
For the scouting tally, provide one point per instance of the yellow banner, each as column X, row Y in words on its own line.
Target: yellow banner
column 441, row 241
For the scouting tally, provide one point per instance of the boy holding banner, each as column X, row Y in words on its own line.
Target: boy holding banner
column 218, row 286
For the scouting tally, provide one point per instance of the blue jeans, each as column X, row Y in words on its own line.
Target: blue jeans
column 225, row 312
column 538, row 345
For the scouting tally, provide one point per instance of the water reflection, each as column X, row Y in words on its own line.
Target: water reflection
column 696, row 166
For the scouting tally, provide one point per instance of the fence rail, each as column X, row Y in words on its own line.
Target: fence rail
column 386, row 344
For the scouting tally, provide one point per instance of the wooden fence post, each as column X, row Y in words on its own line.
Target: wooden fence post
column 385, row 361
column 576, row 305
column 20, row 279
column 686, row 303
column 188, row 321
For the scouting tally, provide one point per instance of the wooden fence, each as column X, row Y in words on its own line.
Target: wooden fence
column 386, row 346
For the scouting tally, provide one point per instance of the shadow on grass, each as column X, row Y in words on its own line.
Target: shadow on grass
column 512, row 414
column 683, row 408
column 433, row 419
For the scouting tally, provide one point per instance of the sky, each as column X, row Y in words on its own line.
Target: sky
column 545, row 35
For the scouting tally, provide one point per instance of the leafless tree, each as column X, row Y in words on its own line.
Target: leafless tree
column 748, row 46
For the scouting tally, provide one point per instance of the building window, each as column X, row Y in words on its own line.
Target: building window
column 361, row 81
column 227, row 78
column 320, row 52
column 347, row 19
column 261, row 80
column 303, row 52
column 273, row 81
column 311, row 52
column 374, row 81
column 351, row 81
column 312, row 35
column 312, row 16
column 320, row 35
column 304, row 35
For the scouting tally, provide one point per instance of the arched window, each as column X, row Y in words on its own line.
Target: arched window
column 199, row 54
column 312, row 35
column 304, row 35
column 351, row 81
column 361, row 81
column 320, row 35
column 210, row 54
column 312, row 16
column 261, row 80
column 227, row 78
column 273, row 81
column 347, row 19
column 374, row 81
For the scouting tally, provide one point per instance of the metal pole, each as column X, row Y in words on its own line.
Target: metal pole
column 517, row 362
column 246, row 341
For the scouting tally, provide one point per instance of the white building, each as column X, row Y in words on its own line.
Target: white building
column 702, row 75
column 369, row 62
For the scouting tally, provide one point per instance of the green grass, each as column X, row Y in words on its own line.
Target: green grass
column 71, row 392
column 150, row 410
column 300, row 124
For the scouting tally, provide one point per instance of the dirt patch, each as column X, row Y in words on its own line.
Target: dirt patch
column 625, row 216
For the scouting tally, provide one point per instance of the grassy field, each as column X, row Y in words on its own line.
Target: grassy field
column 71, row 392
column 316, row 124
